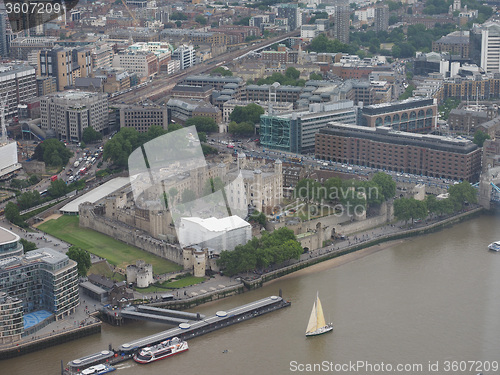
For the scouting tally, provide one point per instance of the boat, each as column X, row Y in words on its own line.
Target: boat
column 162, row 350
column 98, row 369
column 317, row 324
column 495, row 246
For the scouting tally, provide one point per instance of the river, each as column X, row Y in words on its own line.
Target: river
column 425, row 301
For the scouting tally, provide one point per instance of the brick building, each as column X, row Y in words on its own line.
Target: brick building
column 384, row 148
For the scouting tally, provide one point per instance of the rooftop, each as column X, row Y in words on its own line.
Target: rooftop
column 213, row 224
column 6, row 236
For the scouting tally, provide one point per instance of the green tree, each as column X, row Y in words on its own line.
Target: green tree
column 172, row 193
column 250, row 113
column 28, row 245
column 118, row 149
column 201, row 20
column 89, row 135
column 258, row 217
column 82, row 258
column 174, row 126
column 315, row 76
column 480, row 137
column 188, row 196
column 241, row 128
column 57, row 188
column 386, row 183
column 462, row 193
column 222, row 71
column 202, row 124
column 28, row 199
column 292, row 73
column 11, row 212
column 53, row 152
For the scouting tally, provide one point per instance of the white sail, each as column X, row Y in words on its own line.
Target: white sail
column 320, row 321
column 313, row 320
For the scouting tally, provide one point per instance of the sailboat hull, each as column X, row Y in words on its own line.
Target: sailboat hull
column 320, row 331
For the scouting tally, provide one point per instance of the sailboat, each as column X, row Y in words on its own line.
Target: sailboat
column 317, row 324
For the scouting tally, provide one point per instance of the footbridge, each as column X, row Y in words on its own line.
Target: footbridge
column 155, row 314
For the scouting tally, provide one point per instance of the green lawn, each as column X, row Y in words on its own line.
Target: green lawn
column 185, row 281
column 116, row 252
column 102, row 268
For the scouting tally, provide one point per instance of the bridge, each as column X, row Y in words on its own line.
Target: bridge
column 489, row 190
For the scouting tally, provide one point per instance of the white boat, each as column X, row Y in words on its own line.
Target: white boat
column 98, row 370
column 160, row 351
column 317, row 324
column 495, row 246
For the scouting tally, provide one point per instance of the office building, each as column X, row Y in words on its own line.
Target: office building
column 141, row 118
column 42, row 279
column 102, row 56
column 70, row 112
column 411, row 115
column 143, row 63
column 186, row 56
column 490, row 47
column 18, row 85
column 455, row 43
column 387, row 149
column 21, row 47
column 295, row 131
column 182, row 110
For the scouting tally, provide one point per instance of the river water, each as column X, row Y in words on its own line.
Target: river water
column 426, row 301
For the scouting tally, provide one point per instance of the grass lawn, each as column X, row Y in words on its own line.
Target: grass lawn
column 116, row 252
column 185, row 281
column 102, row 268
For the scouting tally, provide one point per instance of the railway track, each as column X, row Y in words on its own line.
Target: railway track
column 161, row 86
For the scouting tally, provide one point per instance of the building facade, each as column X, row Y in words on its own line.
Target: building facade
column 295, row 131
column 141, row 118
column 410, row 115
column 10, row 244
column 490, row 47
column 384, row 148
column 341, row 26
column 42, row 279
column 70, row 112
column 18, row 84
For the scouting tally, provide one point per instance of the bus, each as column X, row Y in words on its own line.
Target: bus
column 167, row 297
column 296, row 159
column 53, row 178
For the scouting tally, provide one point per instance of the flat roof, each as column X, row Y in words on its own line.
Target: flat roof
column 218, row 225
column 6, row 236
column 96, row 194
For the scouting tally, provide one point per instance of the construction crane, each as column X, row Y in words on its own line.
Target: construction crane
column 136, row 22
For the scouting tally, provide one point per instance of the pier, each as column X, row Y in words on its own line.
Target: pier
column 156, row 314
column 185, row 331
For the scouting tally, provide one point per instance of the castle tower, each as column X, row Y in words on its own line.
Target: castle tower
column 257, row 189
column 199, row 266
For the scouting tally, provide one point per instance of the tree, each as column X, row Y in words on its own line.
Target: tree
column 292, row 73
column 222, row 71
column 174, row 126
column 258, row 217
column 89, row 135
column 201, row 20
column 28, row 245
column 315, row 76
column 12, row 212
column 172, row 192
column 241, row 129
column 119, row 148
column 202, row 124
column 28, row 199
column 57, row 188
column 250, row 113
column 410, row 208
column 480, row 137
column 82, row 258
column 53, row 152
column 386, row 183
column 462, row 193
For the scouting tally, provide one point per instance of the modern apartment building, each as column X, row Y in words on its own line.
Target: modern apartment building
column 411, row 115
column 381, row 19
column 70, row 112
column 295, row 131
column 102, row 56
column 342, row 20
column 388, row 149
column 292, row 13
column 42, row 279
column 65, row 64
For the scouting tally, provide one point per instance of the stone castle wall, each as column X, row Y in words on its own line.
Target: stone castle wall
column 115, row 229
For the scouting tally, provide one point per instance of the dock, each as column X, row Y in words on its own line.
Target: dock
column 156, row 314
column 185, row 331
